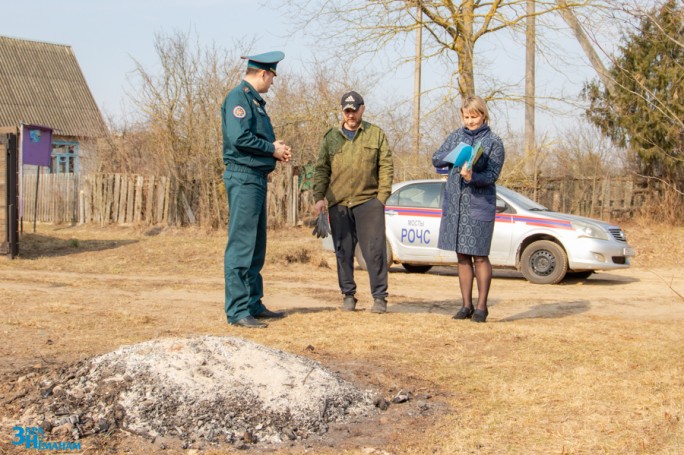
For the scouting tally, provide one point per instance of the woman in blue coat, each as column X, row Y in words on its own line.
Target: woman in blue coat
column 469, row 205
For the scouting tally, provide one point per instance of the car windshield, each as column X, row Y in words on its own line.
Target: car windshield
column 520, row 200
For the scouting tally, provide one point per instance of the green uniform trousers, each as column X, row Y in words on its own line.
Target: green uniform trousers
column 246, row 248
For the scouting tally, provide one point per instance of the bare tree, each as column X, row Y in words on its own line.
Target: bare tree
column 452, row 28
column 585, row 153
column 181, row 126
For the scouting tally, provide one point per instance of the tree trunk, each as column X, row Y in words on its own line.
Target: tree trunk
column 570, row 19
column 464, row 50
column 530, row 147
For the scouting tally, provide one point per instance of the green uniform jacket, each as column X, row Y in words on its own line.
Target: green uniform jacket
column 247, row 131
column 356, row 171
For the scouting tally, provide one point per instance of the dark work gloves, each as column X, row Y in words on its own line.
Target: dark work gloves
column 322, row 227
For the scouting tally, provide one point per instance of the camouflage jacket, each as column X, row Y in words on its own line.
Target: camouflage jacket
column 352, row 172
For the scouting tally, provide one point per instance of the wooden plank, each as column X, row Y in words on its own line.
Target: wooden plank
column 91, row 200
column 107, row 198
column 167, row 198
column 628, row 191
column 149, row 203
column 116, row 194
column 81, row 207
column 58, row 198
column 188, row 210
column 66, row 201
column 130, row 201
column 26, row 195
column 159, row 199
column 29, row 206
column 51, row 197
column 43, row 203
column 137, row 213
column 171, row 207
column 123, row 199
column 96, row 198
column 85, row 202
column 76, row 198
column 161, row 192
column 88, row 199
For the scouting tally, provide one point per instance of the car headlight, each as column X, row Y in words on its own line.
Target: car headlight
column 589, row 230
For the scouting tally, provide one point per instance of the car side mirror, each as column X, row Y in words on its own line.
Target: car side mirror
column 500, row 205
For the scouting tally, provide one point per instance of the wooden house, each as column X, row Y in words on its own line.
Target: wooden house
column 42, row 84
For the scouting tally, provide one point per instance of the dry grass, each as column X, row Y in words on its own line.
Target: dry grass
column 582, row 384
column 544, row 386
column 657, row 244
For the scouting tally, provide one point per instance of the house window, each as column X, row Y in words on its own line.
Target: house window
column 64, row 157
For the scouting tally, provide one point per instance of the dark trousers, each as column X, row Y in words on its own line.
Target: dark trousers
column 365, row 225
column 246, row 248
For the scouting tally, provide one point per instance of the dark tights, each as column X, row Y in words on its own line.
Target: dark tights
column 482, row 271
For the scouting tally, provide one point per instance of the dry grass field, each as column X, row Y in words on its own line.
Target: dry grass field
column 584, row 367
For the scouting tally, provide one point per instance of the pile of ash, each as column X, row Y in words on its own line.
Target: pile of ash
column 194, row 391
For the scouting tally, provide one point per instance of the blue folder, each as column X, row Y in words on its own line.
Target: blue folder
column 460, row 154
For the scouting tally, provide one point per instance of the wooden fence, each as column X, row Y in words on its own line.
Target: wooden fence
column 125, row 199
column 136, row 199
column 603, row 198
column 96, row 198
column 57, row 198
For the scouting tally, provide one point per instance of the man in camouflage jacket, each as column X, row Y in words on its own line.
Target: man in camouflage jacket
column 353, row 178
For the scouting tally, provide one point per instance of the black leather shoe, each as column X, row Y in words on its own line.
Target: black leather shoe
column 250, row 323
column 268, row 314
column 464, row 313
column 480, row 315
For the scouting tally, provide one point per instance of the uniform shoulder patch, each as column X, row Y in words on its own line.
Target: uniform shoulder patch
column 239, row 112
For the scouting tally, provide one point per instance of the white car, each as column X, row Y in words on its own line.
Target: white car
column 545, row 246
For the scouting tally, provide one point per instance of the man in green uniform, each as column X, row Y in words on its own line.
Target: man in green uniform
column 250, row 153
column 354, row 174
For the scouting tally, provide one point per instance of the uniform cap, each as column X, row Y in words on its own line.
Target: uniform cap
column 351, row 100
column 266, row 61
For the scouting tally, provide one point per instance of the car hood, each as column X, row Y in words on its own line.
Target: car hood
column 571, row 218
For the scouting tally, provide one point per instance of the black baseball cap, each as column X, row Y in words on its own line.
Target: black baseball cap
column 351, row 100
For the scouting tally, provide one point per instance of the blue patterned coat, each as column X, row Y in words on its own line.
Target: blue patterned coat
column 469, row 209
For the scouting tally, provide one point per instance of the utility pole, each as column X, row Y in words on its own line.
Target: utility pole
column 416, row 82
column 530, row 46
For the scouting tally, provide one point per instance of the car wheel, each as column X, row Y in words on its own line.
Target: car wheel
column 362, row 262
column 582, row 275
column 413, row 268
column 544, row 262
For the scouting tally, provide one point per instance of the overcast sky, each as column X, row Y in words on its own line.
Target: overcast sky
column 106, row 35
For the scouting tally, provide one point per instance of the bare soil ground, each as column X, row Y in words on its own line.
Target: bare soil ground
column 584, row 367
